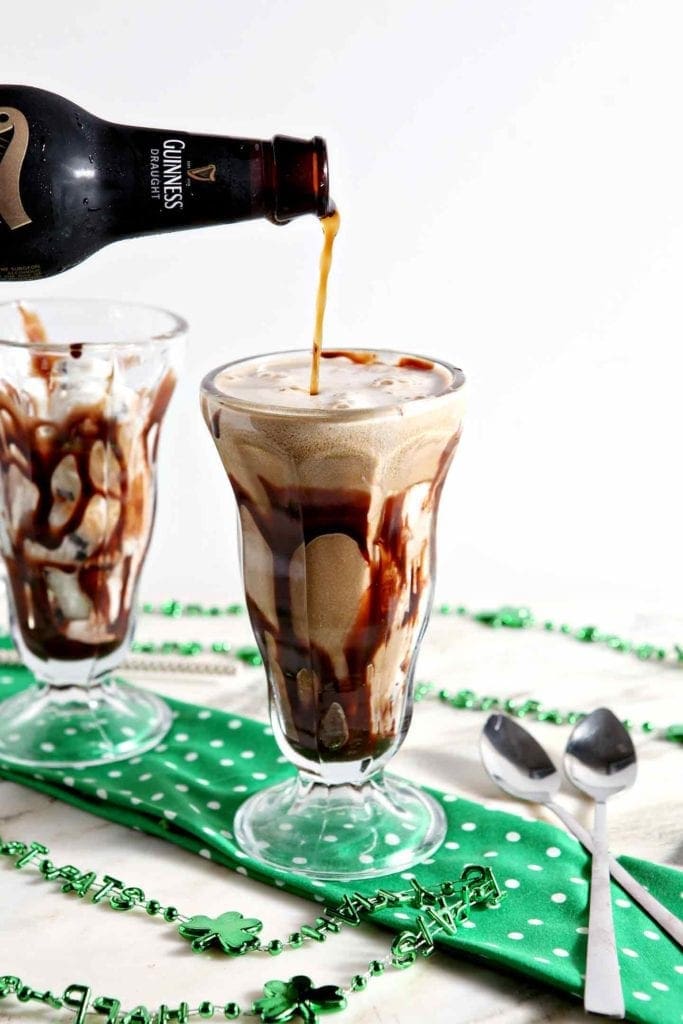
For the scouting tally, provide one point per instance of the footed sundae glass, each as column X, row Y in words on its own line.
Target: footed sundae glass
column 84, row 386
column 337, row 508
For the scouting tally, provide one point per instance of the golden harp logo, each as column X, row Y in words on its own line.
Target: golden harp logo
column 13, row 146
column 206, row 173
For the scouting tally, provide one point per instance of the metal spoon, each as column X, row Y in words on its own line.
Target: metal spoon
column 517, row 763
column 600, row 760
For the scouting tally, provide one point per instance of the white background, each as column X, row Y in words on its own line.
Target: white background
column 510, row 177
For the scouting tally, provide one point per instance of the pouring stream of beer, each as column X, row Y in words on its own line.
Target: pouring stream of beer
column 330, row 226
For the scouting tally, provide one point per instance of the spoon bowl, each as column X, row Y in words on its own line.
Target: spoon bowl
column 600, row 758
column 516, row 762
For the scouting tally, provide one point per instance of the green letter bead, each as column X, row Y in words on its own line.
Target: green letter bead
column 9, row 984
column 30, row 854
column 442, row 917
column 180, row 1016
column 127, row 898
column 403, row 953
column 13, row 848
column 77, row 997
column 109, row 884
column 348, row 911
column 138, row 1015
column 108, row 1005
column 81, row 884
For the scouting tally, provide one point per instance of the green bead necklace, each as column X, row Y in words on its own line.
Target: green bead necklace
column 505, row 617
column 441, row 910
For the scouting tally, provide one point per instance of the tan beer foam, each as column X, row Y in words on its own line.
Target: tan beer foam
column 283, row 380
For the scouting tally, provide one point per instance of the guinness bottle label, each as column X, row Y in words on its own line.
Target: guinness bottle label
column 13, row 145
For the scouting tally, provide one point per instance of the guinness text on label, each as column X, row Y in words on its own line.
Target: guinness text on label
column 172, row 173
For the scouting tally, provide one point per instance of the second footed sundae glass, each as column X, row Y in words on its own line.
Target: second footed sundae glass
column 84, row 386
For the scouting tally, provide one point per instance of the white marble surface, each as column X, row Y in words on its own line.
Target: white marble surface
column 53, row 941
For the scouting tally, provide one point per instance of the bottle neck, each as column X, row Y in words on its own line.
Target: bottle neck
column 296, row 171
column 183, row 180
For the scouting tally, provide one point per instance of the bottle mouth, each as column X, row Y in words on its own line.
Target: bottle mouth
column 300, row 178
column 326, row 205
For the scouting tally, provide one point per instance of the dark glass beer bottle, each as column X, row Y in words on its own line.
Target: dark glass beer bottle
column 71, row 183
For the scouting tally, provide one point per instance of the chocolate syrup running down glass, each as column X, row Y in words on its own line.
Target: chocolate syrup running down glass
column 77, row 494
column 338, row 721
column 338, row 507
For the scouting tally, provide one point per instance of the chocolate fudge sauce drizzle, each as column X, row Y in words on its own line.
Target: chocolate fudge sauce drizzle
column 37, row 447
column 34, row 329
column 359, row 358
column 299, row 515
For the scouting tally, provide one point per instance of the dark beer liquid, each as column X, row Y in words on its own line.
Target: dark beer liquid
column 330, row 226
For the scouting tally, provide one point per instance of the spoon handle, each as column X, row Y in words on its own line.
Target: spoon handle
column 602, row 992
column 667, row 921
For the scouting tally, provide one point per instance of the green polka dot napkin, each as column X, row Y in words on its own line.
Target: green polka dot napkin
column 188, row 789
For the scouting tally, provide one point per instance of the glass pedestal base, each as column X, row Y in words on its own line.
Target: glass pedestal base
column 340, row 832
column 75, row 727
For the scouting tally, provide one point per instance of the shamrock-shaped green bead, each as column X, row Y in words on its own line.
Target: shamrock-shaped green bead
column 297, row 999
column 230, row 932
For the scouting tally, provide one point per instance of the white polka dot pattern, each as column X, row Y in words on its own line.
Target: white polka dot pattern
column 214, row 760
